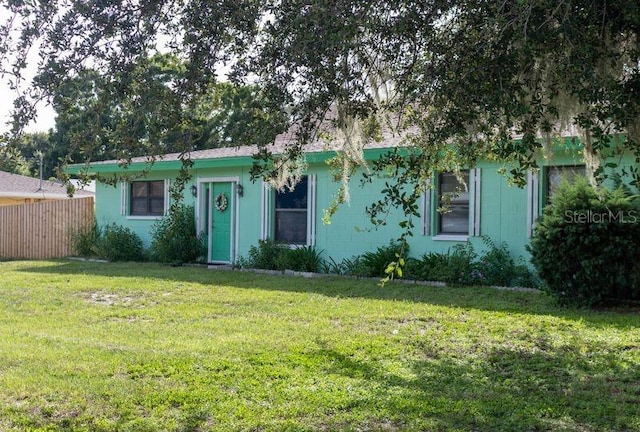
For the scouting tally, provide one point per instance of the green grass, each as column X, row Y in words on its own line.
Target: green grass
column 139, row 347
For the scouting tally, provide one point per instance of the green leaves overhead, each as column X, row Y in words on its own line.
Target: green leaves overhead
column 462, row 77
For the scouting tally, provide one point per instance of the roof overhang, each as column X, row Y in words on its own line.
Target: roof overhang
column 111, row 167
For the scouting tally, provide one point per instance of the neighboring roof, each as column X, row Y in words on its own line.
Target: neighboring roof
column 19, row 186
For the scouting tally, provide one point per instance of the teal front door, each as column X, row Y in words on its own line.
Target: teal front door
column 221, row 222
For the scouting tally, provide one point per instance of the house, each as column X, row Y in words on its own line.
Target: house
column 19, row 189
column 235, row 213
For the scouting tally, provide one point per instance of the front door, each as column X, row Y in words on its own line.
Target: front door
column 221, row 222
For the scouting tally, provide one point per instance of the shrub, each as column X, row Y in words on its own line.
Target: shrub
column 464, row 266
column 457, row 267
column 305, row 258
column 174, row 238
column 276, row 256
column 412, row 268
column 498, row 267
column 375, row 263
column 265, row 255
column 348, row 266
column 586, row 245
column 85, row 239
column 331, row 266
column 430, row 267
column 524, row 277
column 111, row 242
column 118, row 243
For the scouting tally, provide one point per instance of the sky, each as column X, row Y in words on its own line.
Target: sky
column 44, row 121
column 46, row 114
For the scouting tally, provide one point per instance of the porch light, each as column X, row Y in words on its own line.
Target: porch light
column 194, row 190
column 239, row 189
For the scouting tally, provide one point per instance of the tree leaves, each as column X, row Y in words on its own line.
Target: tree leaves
column 460, row 79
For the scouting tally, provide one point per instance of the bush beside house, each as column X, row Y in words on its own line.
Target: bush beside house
column 586, row 245
column 111, row 242
column 462, row 266
column 118, row 243
column 269, row 255
column 175, row 240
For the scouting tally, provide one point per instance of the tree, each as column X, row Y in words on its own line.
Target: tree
column 12, row 161
column 464, row 77
column 32, row 150
column 238, row 115
column 96, row 122
column 136, row 113
column 31, row 147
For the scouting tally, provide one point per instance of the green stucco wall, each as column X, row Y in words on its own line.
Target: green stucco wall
column 503, row 215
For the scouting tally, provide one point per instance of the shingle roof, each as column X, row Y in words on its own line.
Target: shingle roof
column 278, row 147
column 14, row 185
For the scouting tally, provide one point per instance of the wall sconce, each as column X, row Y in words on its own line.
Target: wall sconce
column 239, row 189
column 194, row 191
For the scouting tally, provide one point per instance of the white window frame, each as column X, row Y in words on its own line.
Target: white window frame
column 538, row 194
column 533, row 200
column 429, row 206
column 266, row 207
column 426, row 198
column 267, row 211
column 475, row 195
column 125, row 188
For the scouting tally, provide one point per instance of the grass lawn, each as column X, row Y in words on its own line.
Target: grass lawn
column 140, row 347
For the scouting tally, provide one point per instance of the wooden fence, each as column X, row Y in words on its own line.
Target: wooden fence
column 43, row 230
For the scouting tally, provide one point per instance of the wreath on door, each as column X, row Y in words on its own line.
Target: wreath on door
column 220, row 202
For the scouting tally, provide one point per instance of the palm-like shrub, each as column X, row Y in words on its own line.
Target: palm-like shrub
column 305, row 258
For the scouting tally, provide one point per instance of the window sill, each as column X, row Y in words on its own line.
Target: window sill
column 451, row 237
column 293, row 245
column 144, row 217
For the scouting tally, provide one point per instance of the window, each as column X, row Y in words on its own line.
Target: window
column 555, row 175
column 454, row 199
column 147, row 198
column 460, row 202
column 144, row 199
column 289, row 217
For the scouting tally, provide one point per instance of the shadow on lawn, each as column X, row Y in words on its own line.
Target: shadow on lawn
column 482, row 298
column 502, row 389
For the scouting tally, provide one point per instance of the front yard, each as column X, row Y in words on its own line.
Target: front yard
column 140, row 347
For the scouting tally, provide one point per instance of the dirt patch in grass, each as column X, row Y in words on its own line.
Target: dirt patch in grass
column 106, row 299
